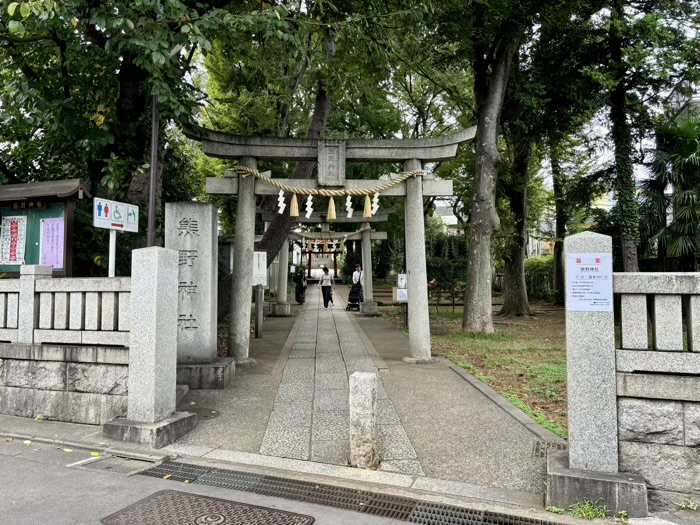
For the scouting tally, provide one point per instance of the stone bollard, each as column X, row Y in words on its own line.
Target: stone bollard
column 363, row 418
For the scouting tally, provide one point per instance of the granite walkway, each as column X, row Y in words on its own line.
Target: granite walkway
column 309, row 419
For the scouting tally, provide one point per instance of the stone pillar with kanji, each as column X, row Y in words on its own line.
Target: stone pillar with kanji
column 191, row 228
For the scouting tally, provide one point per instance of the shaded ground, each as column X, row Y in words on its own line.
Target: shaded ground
column 524, row 360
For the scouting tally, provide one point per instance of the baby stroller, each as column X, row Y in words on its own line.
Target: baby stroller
column 355, row 298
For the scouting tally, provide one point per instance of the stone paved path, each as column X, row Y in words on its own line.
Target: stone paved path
column 309, row 419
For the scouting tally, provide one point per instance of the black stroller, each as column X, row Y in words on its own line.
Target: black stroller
column 355, row 298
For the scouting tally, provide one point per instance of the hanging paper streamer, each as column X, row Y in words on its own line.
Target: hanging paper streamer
column 375, row 203
column 294, row 206
column 281, row 205
column 348, row 206
column 309, row 206
column 368, row 208
column 331, row 209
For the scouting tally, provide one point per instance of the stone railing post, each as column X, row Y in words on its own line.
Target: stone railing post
column 590, row 349
column 28, row 317
column 151, row 416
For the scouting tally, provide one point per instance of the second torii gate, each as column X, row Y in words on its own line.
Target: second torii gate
column 332, row 156
column 366, row 235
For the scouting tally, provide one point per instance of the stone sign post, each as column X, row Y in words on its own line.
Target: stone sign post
column 191, row 228
column 590, row 350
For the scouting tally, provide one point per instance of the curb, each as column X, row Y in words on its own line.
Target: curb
column 102, row 449
column 540, row 432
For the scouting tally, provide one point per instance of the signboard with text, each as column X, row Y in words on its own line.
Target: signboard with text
column 114, row 215
column 260, row 268
column 589, row 282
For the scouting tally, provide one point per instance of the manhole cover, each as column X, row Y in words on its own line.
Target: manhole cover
column 117, row 464
column 541, row 447
column 170, row 507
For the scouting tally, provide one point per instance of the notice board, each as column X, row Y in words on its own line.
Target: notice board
column 45, row 235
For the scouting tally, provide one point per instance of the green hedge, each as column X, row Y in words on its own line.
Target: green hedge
column 539, row 278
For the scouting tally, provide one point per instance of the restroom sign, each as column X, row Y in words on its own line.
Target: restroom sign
column 114, row 215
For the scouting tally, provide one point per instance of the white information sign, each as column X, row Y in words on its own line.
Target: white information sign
column 589, row 282
column 401, row 281
column 260, row 268
column 114, row 215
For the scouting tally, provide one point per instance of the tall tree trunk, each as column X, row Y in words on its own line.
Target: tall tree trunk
column 626, row 209
column 490, row 87
column 560, row 219
column 515, row 300
column 282, row 224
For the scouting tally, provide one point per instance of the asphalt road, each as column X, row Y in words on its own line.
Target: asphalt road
column 38, row 487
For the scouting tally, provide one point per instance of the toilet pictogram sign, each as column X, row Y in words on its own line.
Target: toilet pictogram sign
column 114, row 215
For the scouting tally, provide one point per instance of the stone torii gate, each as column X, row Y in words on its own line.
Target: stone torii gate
column 331, row 156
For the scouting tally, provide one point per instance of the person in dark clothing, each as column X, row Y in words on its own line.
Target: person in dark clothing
column 300, row 287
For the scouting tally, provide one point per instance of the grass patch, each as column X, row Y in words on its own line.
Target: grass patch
column 539, row 418
column 500, row 335
column 485, row 379
column 525, row 357
column 589, row 510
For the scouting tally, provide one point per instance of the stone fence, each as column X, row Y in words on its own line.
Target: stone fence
column 37, row 309
column 658, row 383
column 64, row 351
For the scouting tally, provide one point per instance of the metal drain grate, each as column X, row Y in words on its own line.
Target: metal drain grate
column 177, row 471
column 434, row 514
column 541, row 447
column 228, row 479
column 389, row 506
column 373, row 503
column 284, row 488
column 339, row 497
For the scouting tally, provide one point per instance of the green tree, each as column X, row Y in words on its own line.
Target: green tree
column 647, row 47
column 672, row 220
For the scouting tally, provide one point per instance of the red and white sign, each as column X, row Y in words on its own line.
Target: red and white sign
column 13, row 237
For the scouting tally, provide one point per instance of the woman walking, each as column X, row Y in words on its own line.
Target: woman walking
column 326, row 286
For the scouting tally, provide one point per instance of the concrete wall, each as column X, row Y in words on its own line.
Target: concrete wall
column 658, row 384
column 64, row 383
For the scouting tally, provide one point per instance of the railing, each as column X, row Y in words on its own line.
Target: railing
column 9, row 310
column 659, row 312
column 83, row 311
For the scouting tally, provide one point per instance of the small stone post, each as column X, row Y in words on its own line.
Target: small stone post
column 282, row 307
column 592, row 388
column 151, row 416
column 363, row 428
column 191, row 228
column 417, row 274
column 259, row 310
column 28, row 318
column 368, row 306
column 153, row 347
column 242, row 280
